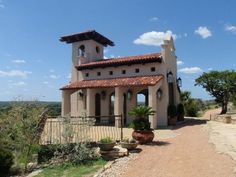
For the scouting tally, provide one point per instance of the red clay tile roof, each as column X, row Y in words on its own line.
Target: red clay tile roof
column 140, row 59
column 114, row 82
column 92, row 34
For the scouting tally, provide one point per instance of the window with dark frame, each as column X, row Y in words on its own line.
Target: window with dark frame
column 123, row 71
column 86, row 74
column 137, row 70
column 111, row 72
column 153, row 69
column 98, row 73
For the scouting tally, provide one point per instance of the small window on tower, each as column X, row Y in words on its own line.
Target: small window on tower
column 97, row 49
column 81, row 51
column 111, row 72
column 137, row 70
column 123, row 71
column 98, row 73
column 153, row 69
column 87, row 74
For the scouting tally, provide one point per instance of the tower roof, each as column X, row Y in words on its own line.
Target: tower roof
column 87, row 36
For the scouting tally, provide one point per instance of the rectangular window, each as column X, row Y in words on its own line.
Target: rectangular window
column 137, row 70
column 86, row 74
column 123, row 71
column 153, row 69
column 98, row 73
column 111, row 72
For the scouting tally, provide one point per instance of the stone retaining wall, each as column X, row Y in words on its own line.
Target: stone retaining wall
column 226, row 118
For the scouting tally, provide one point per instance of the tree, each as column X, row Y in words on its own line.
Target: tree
column 20, row 129
column 220, row 84
column 190, row 104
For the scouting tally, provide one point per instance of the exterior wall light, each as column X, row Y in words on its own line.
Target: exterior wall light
column 159, row 93
column 129, row 94
column 179, row 82
column 81, row 94
column 170, row 77
column 103, row 94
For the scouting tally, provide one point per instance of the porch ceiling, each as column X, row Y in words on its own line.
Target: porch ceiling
column 115, row 82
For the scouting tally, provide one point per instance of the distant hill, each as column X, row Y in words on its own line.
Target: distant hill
column 54, row 107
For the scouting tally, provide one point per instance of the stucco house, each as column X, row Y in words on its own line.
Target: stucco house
column 101, row 87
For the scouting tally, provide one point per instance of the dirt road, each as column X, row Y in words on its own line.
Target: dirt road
column 187, row 155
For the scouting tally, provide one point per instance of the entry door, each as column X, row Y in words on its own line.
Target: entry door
column 98, row 107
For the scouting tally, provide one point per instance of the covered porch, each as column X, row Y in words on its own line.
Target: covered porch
column 107, row 97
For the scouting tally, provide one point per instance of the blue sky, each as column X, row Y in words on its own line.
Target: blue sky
column 34, row 64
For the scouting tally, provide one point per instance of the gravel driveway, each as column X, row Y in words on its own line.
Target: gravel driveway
column 187, row 155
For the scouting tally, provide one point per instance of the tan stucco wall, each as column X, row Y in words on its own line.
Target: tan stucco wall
column 77, row 105
column 90, row 55
column 130, row 71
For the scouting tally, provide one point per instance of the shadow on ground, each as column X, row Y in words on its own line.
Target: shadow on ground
column 189, row 122
column 158, row 143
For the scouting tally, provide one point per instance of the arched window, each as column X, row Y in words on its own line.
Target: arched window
column 97, row 49
column 81, row 51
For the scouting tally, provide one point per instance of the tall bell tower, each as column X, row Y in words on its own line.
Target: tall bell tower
column 86, row 47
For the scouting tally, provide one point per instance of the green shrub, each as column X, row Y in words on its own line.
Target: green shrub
column 46, row 152
column 140, row 124
column 6, row 161
column 180, row 109
column 192, row 110
column 75, row 153
column 127, row 140
column 106, row 140
column 172, row 110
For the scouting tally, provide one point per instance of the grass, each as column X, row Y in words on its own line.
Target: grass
column 73, row 170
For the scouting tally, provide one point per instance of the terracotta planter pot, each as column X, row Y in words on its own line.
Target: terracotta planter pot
column 172, row 120
column 129, row 146
column 106, row 146
column 143, row 136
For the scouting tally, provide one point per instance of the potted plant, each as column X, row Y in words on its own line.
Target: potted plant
column 129, row 144
column 172, row 114
column 142, row 131
column 180, row 110
column 106, row 144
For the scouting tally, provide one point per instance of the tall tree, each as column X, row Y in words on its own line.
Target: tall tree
column 220, row 84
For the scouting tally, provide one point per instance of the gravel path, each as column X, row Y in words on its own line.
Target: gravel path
column 186, row 155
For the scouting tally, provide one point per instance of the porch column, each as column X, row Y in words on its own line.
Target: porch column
column 118, row 105
column 66, row 103
column 90, row 102
column 152, row 102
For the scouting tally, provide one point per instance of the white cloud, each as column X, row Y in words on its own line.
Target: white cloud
column 21, row 83
column 154, row 38
column 191, row 70
column 18, row 61
column 45, row 82
column 14, row 73
column 2, row 6
column 179, row 62
column 210, row 69
column 53, row 76
column 154, row 19
column 69, row 76
column 230, row 28
column 51, row 70
column 106, row 51
column 185, row 34
column 203, row 31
